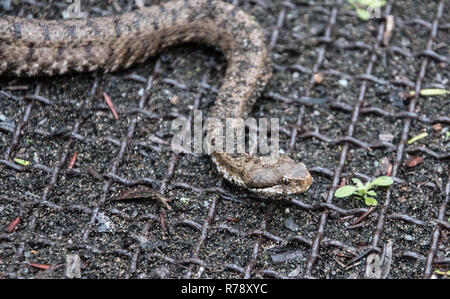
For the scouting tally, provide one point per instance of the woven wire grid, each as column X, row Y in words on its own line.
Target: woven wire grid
column 224, row 231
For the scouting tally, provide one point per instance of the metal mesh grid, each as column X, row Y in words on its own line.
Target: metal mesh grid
column 201, row 243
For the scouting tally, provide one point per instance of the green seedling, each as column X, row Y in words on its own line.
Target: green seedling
column 362, row 7
column 364, row 191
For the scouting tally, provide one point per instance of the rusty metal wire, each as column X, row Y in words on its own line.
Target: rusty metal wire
column 206, row 228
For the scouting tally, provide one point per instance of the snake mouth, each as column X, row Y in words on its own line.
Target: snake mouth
column 295, row 187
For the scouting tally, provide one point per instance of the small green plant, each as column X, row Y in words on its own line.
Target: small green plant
column 362, row 7
column 364, row 191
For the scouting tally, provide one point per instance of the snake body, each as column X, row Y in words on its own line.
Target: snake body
column 32, row 47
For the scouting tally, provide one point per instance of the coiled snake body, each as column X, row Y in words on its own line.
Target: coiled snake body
column 30, row 47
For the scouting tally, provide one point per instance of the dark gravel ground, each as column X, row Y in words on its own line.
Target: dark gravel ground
column 217, row 230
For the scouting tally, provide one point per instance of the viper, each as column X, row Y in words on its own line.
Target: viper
column 33, row 47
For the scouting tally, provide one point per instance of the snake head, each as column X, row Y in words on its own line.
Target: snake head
column 281, row 178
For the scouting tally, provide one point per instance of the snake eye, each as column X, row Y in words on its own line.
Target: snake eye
column 285, row 181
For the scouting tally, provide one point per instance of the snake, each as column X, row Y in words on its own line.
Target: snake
column 40, row 47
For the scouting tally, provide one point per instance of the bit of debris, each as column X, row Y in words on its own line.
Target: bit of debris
column 17, row 87
column 437, row 127
column 140, row 4
column 40, row 266
column 384, row 166
column 184, row 200
column 72, row 160
column 13, row 225
column 22, row 162
column 285, row 256
column 142, row 192
column 232, row 219
column 160, row 273
column 364, row 216
column 73, row 266
column 105, row 224
column 446, row 273
column 401, row 199
column 379, row 268
column 413, row 161
column 116, row 6
column 390, row 24
column 408, row 238
column 94, row 173
column 431, row 92
column 295, row 272
column 343, row 83
column 416, row 138
column 385, row 136
column 110, row 105
column 148, row 245
column 174, row 100
column 318, row 78
column 290, row 224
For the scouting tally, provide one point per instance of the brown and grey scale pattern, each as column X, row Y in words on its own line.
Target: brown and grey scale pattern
column 36, row 47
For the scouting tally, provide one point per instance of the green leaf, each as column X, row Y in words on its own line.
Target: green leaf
column 418, row 137
column 22, row 162
column 370, row 201
column 365, row 2
column 371, row 193
column 345, row 191
column 382, row 181
column 363, row 14
column 377, row 3
column 358, row 183
column 447, row 135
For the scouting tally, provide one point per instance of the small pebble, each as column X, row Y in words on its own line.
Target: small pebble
column 318, row 78
column 184, row 200
column 385, row 136
column 6, row 5
column 437, row 127
column 408, row 238
column 405, row 42
column 105, row 223
column 291, row 225
column 73, row 266
column 174, row 100
column 343, row 82
column 384, row 165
